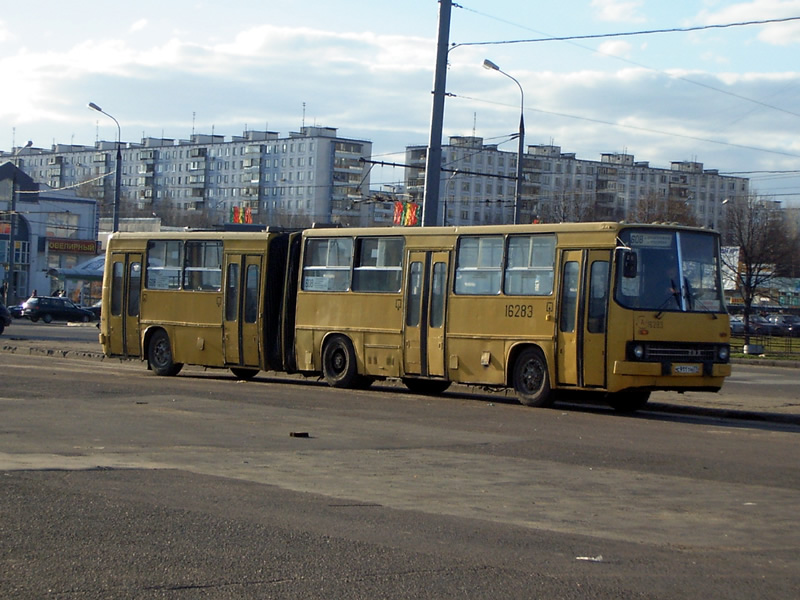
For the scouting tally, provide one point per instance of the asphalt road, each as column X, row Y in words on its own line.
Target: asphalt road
column 120, row 484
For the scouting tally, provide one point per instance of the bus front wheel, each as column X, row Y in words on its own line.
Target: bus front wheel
column 159, row 355
column 531, row 379
column 339, row 366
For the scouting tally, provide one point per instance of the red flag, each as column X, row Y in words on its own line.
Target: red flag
column 411, row 214
column 398, row 213
column 236, row 214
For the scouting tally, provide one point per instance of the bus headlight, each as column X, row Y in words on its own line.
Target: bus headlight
column 638, row 352
column 723, row 353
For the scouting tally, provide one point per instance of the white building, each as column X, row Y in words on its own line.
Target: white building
column 478, row 186
column 310, row 176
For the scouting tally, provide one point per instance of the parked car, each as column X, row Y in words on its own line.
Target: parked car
column 737, row 325
column 51, row 308
column 5, row 318
column 16, row 311
column 760, row 325
column 789, row 324
column 96, row 308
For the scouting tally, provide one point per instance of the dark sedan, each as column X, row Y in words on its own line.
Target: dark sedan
column 54, row 308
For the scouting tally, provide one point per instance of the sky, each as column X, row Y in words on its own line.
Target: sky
column 727, row 97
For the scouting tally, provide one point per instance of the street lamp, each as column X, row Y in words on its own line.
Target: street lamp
column 118, row 175
column 487, row 64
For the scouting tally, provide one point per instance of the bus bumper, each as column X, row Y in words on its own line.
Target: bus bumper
column 657, row 369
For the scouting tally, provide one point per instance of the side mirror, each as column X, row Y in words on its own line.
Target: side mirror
column 629, row 264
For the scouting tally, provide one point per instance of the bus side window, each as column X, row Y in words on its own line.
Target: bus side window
column 479, row 265
column 203, row 269
column 379, row 264
column 530, row 264
column 326, row 264
column 117, row 284
column 438, row 294
column 134, row 283
column 251, row 294
column 164, row 259
column 414, row 294
column 232, row 292
column 598, row 297
column 569, row 296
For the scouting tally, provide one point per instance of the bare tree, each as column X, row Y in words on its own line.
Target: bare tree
column 655, row 209
column 758, row 228
column 567, row 206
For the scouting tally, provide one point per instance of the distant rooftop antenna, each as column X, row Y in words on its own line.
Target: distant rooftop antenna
column 304, row 114
column 474, row 122
column 194, row 114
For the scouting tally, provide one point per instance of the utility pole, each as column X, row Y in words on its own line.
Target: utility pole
column 433, row 162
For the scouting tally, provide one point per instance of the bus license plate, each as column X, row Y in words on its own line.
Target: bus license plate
column 686, row 369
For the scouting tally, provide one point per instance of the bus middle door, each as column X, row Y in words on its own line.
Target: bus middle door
column 240, row 323
column 123, row 317
column 426, row 298
column 583, row 298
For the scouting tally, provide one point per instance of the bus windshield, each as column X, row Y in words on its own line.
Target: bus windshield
column 675, row 271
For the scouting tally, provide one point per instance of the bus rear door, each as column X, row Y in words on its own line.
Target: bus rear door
column 123, row 317
column 426, row 296
column 240, row 325
column 583, row 303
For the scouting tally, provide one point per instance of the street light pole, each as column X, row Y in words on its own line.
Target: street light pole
column 487, row 64
column 118, row 174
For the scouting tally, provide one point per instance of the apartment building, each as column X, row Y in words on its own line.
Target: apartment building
column 478, row 186
column 308, row 176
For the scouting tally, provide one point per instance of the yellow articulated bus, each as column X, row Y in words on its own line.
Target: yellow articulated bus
column 611, row 308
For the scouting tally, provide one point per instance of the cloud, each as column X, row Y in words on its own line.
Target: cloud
column 138, row 25
column 618, row 10
column 5, row 33
column 778, row 34
column 615, row 48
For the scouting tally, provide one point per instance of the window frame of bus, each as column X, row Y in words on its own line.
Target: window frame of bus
column 531, row 266
column 372, row 272
column 327, row 277
column 167, row 275
column 200, row 275
column 475, row 273
column 465, row 274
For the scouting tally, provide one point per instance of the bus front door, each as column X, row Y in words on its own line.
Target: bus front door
column 582, row 318
column 426, row 298
column 123, row 317
column 240, row 323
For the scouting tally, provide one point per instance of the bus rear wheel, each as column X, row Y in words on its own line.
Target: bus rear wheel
column 244, row 373
column 531, row 379
column 428, row 387
column 339, row 366
column 628, row 401
column 159, row 355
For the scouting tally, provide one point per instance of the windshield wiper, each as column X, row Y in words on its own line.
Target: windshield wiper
column 674, row 294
